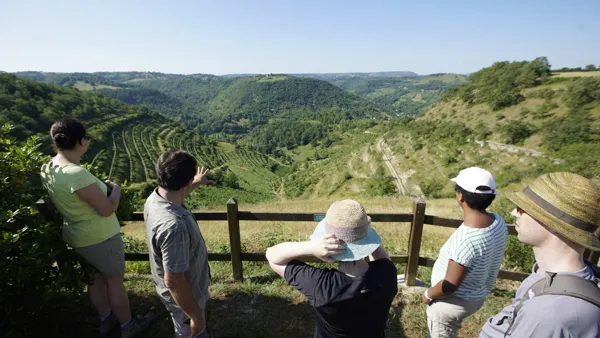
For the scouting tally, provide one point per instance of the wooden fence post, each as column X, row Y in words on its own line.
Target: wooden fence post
column 414, row 241
column 234, row 240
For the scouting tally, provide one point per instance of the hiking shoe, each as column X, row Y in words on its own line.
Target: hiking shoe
column 108, row 324
column 136, row 326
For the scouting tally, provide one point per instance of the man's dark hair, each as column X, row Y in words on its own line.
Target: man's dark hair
column 66, row 133
column 476, row 201
column 175, row 169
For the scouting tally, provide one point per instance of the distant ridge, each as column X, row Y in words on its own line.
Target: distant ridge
column 335, row 76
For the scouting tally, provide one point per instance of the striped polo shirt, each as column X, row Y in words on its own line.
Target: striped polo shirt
column 479, row 249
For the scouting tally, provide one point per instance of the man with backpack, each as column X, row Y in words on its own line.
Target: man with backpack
column 558, row 215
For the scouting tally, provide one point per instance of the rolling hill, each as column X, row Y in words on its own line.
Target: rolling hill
column 126, row 140
column 402, row 96
column 551, row 124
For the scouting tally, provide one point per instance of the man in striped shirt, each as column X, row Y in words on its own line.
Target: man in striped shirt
column 468, row 263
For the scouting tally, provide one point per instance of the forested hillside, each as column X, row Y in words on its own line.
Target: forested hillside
column 546, row 123
column 515, row 118
column 126, row 139
column 402, row 96
column 264, row 112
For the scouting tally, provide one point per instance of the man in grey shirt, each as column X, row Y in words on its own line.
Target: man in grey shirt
column 178, row 256
column 558, row 216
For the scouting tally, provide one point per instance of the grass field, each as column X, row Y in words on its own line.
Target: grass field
column 576, row 74
column 264, row 305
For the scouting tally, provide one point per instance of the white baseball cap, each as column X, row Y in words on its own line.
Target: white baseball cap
column 474, row 177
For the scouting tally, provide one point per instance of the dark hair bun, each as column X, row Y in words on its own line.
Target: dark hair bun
column 60, row 140
column 67, row 132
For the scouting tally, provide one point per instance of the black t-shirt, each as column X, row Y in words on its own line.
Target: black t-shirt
column 346, row 306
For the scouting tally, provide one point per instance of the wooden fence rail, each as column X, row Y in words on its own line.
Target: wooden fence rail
column 233, row 216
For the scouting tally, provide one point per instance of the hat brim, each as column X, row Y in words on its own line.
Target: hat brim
column 355, row 250
column 583, row 238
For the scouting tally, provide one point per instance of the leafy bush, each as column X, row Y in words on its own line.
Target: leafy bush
column 136, row 245
column 515, row 132
column 36, row 262
column 500, row 85
column 544, row 110
column 518, row 255
column 432, row 188
column 382, row 186
column 565, row 130
column 582, row 91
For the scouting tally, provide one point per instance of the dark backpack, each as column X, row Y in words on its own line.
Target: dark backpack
column 562, row 285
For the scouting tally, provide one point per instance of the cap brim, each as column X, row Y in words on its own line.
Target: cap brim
column 583, row 238
column 355, row 250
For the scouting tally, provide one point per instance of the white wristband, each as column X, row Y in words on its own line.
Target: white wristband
column 427, row 296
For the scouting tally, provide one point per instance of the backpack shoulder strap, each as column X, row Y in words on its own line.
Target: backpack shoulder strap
column 559, row 285
column 573, row 286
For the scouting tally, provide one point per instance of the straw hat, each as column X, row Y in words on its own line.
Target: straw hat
column 565, row 202
column 348, row 221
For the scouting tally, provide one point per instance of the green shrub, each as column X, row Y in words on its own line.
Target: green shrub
column 518, row 255
column 582, row 91
column 562, row 131
column 515, row 132
column 433, row 188
column 35, row 262
column 136, row 245
column 382, row 186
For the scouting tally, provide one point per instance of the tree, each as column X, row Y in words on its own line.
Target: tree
column 590, row 68
column 515, row 132
column 582, row 91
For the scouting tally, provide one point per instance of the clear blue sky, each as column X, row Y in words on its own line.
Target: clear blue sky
column 280, row 36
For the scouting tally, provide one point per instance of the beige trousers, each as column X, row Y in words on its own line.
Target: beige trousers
column 445, row 315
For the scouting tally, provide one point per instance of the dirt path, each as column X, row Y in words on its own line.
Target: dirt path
column 510, row 148
column 400, row 184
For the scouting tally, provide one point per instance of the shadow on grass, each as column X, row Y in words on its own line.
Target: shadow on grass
column 238, row 314
column 72, row 315
column 255, row 315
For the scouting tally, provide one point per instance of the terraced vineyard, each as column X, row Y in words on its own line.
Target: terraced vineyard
column 135, row 146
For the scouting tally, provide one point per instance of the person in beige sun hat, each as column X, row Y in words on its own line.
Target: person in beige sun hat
column 558, row 214
column 354, row 299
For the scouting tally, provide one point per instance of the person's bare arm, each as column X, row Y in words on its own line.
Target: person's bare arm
column 455, row 274
column 281, row 254
column 184, row 297
column 380, row 253
column 93, row 195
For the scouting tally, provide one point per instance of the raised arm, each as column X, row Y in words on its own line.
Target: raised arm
column 281, row 254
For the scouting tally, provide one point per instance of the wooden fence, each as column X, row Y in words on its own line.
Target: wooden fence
column 233, row 216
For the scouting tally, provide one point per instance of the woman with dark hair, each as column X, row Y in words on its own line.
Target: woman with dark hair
column 90, row 225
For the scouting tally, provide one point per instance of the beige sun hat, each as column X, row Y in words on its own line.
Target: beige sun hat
column 565, row 202
column 349, row 222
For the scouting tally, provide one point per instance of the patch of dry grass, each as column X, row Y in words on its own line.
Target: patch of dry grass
column 576, row 74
